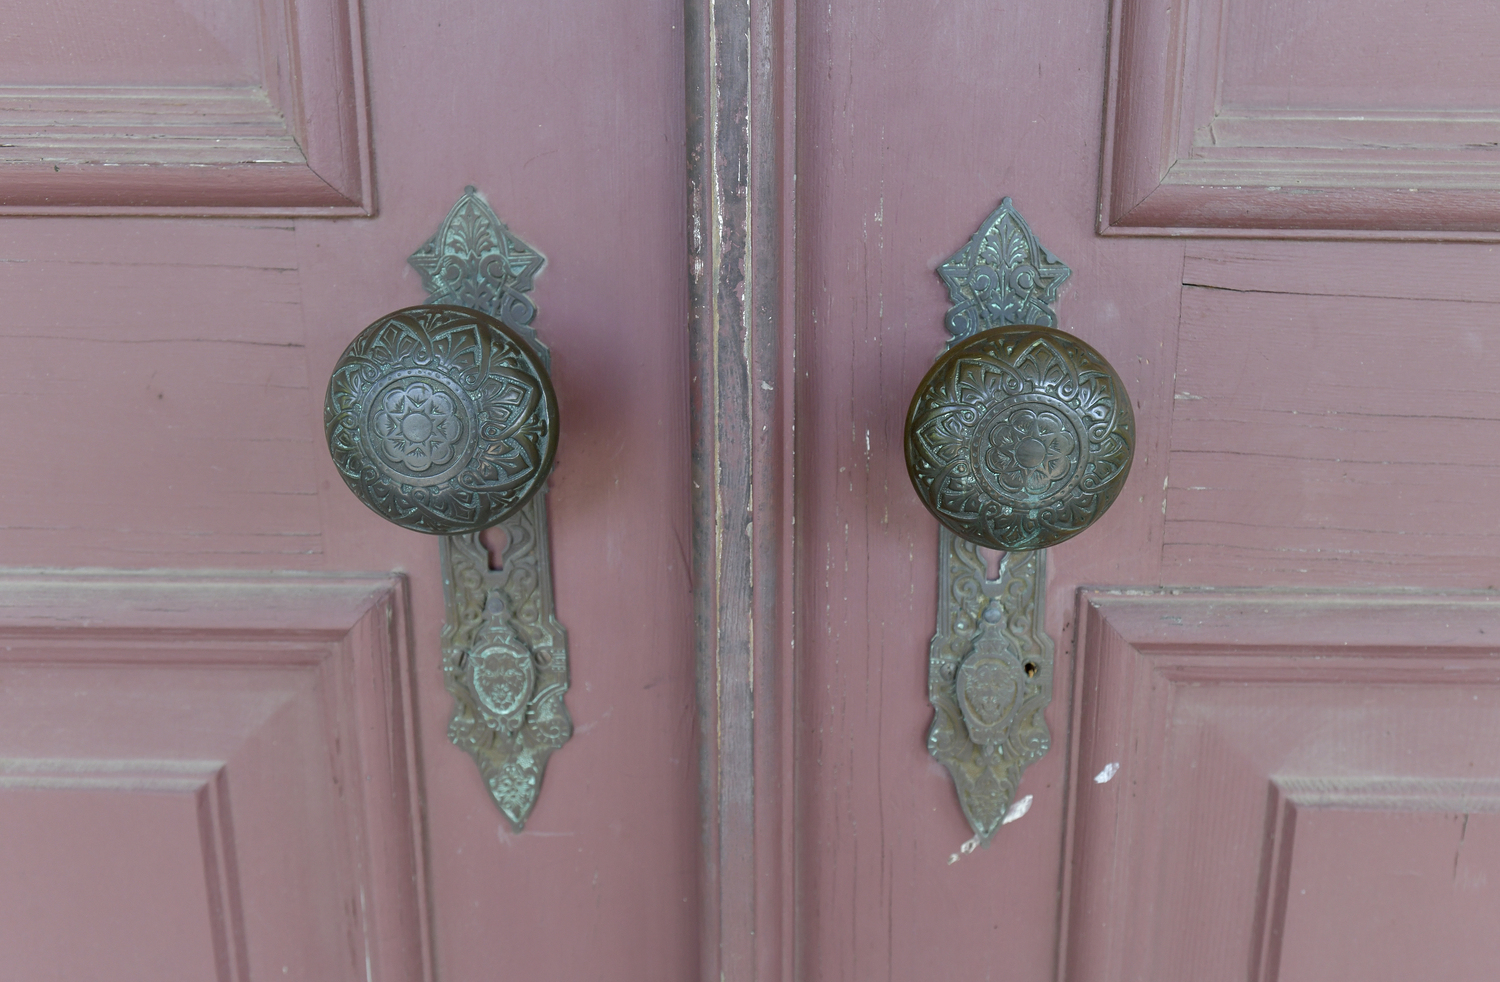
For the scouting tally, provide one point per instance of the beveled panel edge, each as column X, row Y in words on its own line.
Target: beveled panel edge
column 319, row 607
column 1287, row 796
column 226, row 906
column 1167, row 627
column 352, row 629
column 318, row 86
column 1390, row 793
column 1241, row 619
column 1154, row 182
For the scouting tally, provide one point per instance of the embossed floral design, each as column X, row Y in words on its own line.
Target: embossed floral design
column 1030, row 450
column 475, row 261
column 417, row 427
column 989, row 689
column 1002, row 276
column 1019, row 437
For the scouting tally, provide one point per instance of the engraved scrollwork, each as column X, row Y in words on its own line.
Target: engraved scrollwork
column 1002, row 276
column 441, row 419
column 505, row 659
column 989, row 677
column 1019, row 437
column 505, row 655
column 474, row 261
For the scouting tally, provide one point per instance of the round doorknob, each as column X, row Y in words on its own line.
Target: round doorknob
column 1019, row 437
column 441, row 419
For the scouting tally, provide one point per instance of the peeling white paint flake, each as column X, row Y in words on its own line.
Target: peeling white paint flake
column 1017, row 810
column 1110, row 770
column 964, row 849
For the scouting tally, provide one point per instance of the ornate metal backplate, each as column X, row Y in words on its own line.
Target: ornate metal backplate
column 1019, row 437
column 441, row 419
column 475, row 261
column 1002, row 277
column 505, row 656
column 989, row 677
column 505, row 659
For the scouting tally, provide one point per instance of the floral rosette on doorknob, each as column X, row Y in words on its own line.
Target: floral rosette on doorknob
column 1019, row 437
column 441, row 419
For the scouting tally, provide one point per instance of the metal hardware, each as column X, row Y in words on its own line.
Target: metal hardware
column 1002, row 277
column 473, row 260
column 989, row 676
column 442, row 419
column 505, row 659
column 1020, row 436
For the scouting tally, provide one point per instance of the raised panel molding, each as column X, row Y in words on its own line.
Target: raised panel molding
column 1300, row 776
column 293, row 141
column 214, row 772
column 1188, row 153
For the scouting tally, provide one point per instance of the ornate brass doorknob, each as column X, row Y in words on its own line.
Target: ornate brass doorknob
column 441, row 419
column 1019, row 437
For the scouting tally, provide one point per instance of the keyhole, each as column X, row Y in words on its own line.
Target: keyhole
column 994, row 563
column 1031, row 669
column 495, row 542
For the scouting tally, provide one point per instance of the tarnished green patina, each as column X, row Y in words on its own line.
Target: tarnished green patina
column 442, row 419
column 1019, row 437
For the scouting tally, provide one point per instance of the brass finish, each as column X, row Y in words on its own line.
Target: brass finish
column 441, row 419
column 989, row 677
column 1019, row 437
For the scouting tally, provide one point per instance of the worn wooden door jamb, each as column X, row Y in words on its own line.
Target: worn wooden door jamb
column 741, row 91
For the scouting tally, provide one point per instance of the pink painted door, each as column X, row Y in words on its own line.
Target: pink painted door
column 1273, row 700
column 241, row 770
column 223, row 748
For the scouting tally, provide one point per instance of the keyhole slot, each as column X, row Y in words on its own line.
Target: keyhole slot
column 994, row 563
column 495, row 542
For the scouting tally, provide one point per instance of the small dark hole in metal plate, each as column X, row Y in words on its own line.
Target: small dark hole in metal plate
column 1031, row 669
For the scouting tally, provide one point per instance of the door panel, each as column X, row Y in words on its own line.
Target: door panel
column 1289, row 119
column 1283, row 785
column 163, row 377
column 213, row 772
column 1311, row 415
column 161, row 382
column 916, row 120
